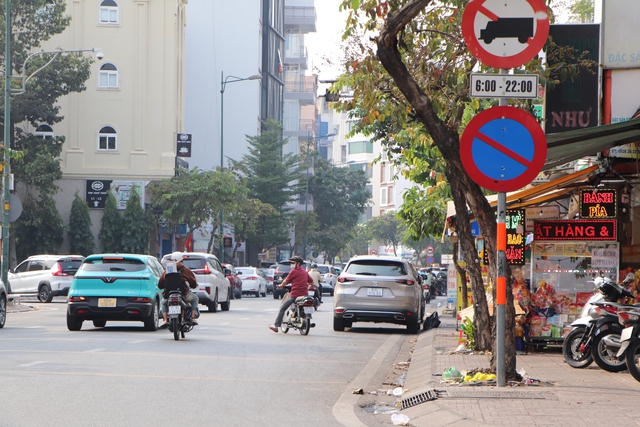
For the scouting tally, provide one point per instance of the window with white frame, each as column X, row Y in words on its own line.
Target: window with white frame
column 108, row 76
column 109, row 12
column 390, row 198
column 107, row 139
column 383, row 196
column 44, row 132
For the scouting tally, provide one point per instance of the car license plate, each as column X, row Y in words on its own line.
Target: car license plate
column 308, row 310
column 626, row 334
column 106, row 302
column 374, row 292
column 174, row 309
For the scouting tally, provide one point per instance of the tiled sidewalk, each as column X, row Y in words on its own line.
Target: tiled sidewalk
column 564, row 396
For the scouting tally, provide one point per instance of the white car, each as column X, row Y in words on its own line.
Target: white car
column 46, row 276
column 329, row 277
column 253, row 282
column 213, row 286
column 3, row 304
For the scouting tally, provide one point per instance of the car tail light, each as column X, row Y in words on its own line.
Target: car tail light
column 83, row 311
column 252, row 278
column 76, row 299
column 407, row 282
column 56, row 270
column 141, row 299
column 204, row 270
column 339, row 310
column 269, row 279
column 344, row 279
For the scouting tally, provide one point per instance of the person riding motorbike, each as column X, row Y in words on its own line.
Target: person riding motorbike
column 300, row 281
column 188, row 282
column 317, row 281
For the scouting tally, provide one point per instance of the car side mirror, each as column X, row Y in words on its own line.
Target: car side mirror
column 226, row 272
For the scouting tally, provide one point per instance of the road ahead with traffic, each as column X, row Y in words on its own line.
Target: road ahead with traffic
column 230, row 370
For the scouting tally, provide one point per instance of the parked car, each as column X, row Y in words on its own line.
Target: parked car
column 329, row 277
column 378, row 289
column 46, row 276
column 120, row 287
column 252, row 281
column 3, row 304
column 279, row 275
column 268, row 275
column 234, row 280
column 213, row 286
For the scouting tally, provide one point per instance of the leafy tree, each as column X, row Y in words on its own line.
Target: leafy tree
column 79, row 234
column 386, row 229
column 271, row 178
column 582, row 11
column 340, row 197
column 40, row 230
column 357, row 243
column 135, row 226
column 35, row 163
column 305, row 225
column 195, row 197
column 111, row 226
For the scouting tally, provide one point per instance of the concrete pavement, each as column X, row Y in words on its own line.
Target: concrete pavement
column 558, row 396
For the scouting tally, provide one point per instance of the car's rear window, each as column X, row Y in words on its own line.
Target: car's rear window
column 113, row 264
column 323, row 269
column 70, row 265
column 376, row 268
column 245, row 271
column 283, row 268
column 194, row 263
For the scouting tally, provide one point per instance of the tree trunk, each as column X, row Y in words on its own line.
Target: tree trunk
column 464, row 190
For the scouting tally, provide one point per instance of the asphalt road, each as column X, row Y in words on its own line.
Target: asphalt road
column 230, row 370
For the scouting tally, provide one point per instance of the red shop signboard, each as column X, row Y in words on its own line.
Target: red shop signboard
column 577, row 229
column 598, row 203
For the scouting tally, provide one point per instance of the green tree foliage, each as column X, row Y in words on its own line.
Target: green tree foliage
column 79, row 234
column 582, row 11
column 40, row 230
column 135, row 226
column 357, row 243
column 111, row 227
column 340, row 197
column 35, row 161
column 271, row 178
column 386, row 229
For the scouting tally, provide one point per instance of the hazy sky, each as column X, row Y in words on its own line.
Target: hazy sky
column 326, row 41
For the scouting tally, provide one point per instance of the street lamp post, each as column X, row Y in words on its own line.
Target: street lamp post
column 223, row 84
column 6, row 180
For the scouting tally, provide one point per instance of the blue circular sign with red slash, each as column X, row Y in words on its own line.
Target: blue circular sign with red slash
column 505, row 34
column 503, row 149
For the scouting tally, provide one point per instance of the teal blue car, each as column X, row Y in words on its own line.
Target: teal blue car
column 120, row 287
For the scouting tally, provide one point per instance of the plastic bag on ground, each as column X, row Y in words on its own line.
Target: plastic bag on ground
column 399, row 419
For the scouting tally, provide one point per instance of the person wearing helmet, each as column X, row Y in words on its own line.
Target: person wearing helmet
column 317, row 281
column 188, row 281
column 300, row 281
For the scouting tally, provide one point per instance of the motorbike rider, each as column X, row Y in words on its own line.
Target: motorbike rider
column 317, row 281
column 188, row 282
column 300, row 281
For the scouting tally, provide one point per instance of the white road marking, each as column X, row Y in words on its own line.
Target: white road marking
column 95, row 350
column 137, row 341
column 28, row 365
column 35, row 327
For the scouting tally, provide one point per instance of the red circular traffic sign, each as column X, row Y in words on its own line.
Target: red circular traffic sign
column 505, row 34
column 503, row 148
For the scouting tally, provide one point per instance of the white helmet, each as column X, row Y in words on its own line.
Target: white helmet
column 177, row 256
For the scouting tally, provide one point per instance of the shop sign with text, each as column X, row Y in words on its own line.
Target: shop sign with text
column 578, row 229
column 514, row 221
column 598, row 203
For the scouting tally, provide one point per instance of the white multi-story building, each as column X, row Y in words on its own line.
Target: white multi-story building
column 122, row 130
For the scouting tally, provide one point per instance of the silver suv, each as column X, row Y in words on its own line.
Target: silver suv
column 47, row 276
column 378, row 289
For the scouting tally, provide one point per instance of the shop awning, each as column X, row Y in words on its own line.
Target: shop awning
column 564, row 147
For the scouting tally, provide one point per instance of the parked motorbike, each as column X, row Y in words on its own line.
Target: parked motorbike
column 595, row 334
column 299, row 315
column 630, row 340
column 178, row 310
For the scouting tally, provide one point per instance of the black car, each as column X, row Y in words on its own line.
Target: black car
column 282, row 269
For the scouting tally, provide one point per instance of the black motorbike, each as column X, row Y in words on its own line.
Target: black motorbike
column 178, row 309
column 299, row 315
column 630, row 340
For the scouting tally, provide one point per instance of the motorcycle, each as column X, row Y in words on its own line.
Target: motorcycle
column 299, row 314
column 630, row 340
column 178, row 310
column 595, row 334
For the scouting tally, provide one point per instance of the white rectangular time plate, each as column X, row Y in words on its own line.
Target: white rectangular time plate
column 504, row 86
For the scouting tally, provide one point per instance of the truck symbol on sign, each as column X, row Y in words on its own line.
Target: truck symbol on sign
column 522, row 28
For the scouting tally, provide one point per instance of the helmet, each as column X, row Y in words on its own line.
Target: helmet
column 314, row 265
column 296, row 259
column 177, row 256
